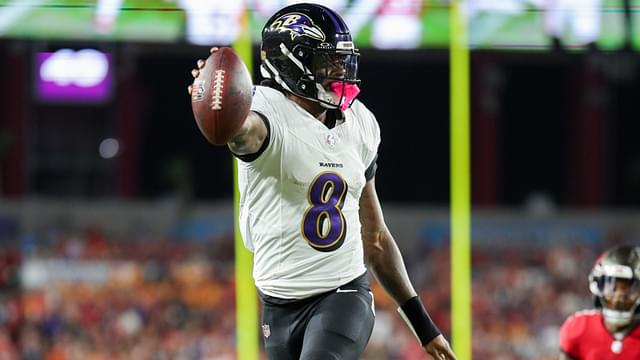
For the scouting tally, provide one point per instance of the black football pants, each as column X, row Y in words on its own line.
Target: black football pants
column 332, row 326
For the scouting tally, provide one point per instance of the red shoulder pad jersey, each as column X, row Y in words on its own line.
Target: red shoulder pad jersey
column 584, row 337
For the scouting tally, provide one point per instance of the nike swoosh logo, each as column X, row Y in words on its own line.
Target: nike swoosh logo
column 345, row 290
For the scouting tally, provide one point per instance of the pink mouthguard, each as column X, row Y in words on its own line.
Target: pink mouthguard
column 345, row 93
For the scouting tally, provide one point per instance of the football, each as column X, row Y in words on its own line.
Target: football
column 221, row 96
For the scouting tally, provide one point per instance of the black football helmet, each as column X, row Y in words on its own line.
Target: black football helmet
column 307, row 49
column 615, row 284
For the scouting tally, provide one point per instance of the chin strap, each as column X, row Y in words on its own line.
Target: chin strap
column 618, row 318
column 324, row 97
column 621, row 318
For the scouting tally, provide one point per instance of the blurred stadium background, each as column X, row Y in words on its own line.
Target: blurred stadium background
column 116, row 217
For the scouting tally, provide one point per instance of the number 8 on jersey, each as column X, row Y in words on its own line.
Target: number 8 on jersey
column 323, row 224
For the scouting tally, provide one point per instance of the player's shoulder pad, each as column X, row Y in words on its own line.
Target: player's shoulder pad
column 267, row 101
column 366, row 119
column 586, row 313
column 576, row 324
column 360, row 109
column 267, row 92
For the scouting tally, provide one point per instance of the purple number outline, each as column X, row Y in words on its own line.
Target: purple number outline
column 323, row 208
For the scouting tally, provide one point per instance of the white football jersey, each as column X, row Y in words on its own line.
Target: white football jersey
column 299, row 199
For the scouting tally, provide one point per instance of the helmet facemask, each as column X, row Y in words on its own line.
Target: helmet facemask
column 336, row 78
column 329, row 77
column 617, row 290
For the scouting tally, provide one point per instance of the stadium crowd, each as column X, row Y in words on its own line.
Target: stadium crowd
column 164, row 299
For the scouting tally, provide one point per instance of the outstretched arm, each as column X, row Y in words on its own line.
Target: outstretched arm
column 385, row 261
column 250, row 137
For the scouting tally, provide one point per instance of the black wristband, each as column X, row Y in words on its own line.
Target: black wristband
column 418, row 319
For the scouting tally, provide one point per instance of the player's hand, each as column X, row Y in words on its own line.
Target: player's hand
column 439, row 349
column 200, row 64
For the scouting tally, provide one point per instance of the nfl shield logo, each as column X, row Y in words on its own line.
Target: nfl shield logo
column 266, row 330
column 330, row 140
column 197, row 92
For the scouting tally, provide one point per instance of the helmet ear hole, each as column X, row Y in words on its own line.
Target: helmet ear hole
column 305, row 85
column 303, row 53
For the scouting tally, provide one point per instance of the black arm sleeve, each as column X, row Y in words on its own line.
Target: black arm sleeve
column 371, row 170
column 265, row 143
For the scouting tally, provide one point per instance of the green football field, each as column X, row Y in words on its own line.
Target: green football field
column 164, row 21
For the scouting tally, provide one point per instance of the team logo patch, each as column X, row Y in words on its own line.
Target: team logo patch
column 266, row 330
column 197, row 91
column 297, row 24
column 330, row 140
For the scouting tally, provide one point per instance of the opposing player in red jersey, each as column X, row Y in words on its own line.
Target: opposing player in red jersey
column 612, row 330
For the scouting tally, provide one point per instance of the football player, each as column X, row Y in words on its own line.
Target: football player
column 610, row 331
column 308, row 204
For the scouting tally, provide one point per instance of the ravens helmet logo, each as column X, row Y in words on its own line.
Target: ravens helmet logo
column 297, row 24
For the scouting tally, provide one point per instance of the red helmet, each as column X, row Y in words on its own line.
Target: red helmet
column 615, row 283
